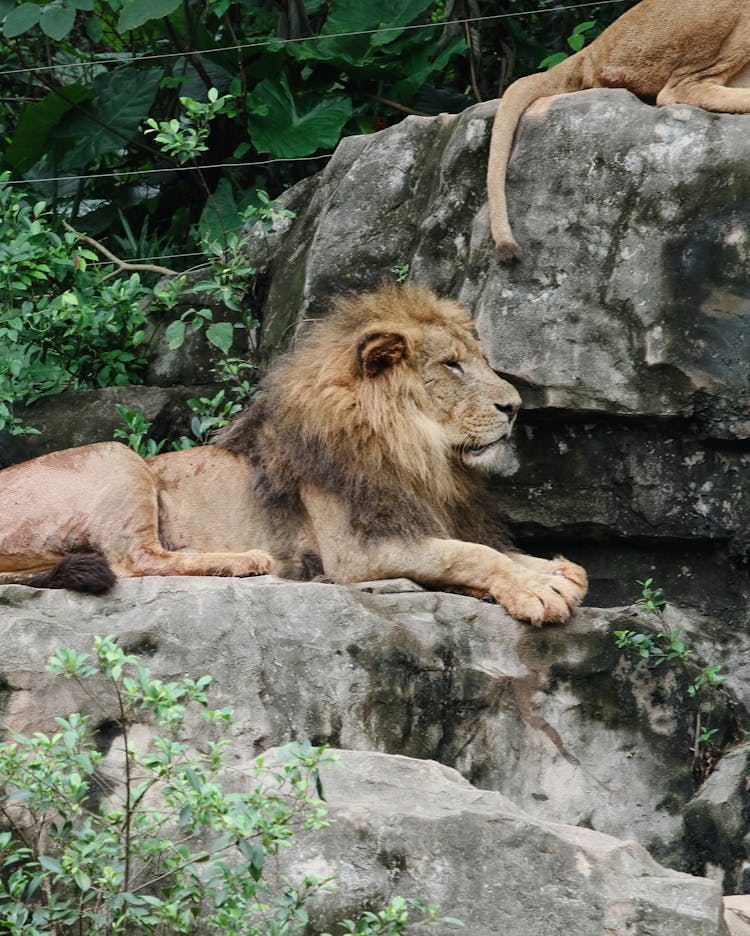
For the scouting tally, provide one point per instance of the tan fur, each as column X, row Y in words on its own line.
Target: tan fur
column 360, row 457
column 675, row 51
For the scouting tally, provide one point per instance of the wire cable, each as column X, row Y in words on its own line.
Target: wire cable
column 122, row 173
column 265, row 43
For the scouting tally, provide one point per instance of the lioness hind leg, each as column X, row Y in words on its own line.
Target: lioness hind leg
column 710, row 95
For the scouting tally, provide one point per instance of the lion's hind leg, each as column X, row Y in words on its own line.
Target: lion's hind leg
column 80, row 517
column 127, row 527
column 149, row 558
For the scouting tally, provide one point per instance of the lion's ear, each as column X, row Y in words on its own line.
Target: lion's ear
column 378, row 351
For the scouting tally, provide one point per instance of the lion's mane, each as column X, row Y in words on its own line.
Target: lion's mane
column 370, row 442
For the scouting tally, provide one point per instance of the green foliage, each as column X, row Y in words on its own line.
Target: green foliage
column 186, row 138
column 150, row 839
column 135, row 433
column 652, row 600
column 63, row 325
column 155, row 842
column 576, row 41
column 394, row 918
column 666, row 645
column 210, row 413
column 401, row 272
column 292, row 87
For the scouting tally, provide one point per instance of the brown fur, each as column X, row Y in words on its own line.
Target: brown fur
column 674, row 51
column 361, row 458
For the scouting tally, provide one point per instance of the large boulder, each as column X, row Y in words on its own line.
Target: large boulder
column 417, row 828
column 558, row 720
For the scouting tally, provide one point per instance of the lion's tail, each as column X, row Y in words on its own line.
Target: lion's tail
column 84, row 572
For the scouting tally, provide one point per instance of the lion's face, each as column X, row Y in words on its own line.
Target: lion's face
column 474, row 405
column 433, row 357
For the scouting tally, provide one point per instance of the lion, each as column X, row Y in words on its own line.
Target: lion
column 361, row 457
column 686, row 52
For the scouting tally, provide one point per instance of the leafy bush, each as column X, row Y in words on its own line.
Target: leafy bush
column 150, row 841
column 62, row 324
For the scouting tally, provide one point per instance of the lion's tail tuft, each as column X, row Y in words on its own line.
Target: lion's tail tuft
column 84, row 572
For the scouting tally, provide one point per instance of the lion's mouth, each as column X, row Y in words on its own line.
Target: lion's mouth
column 480, row 449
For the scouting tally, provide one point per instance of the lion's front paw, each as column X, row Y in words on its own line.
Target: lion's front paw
column 540, row 599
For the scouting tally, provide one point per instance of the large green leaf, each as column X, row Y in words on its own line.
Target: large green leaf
column 285, row 132
column 21, row 19
column 31, row 137
column 137, row 12
column 57, row 20
column 354, row 16
column 220, row 216
column 363, row 20
column 120, row 102
column 421, row 67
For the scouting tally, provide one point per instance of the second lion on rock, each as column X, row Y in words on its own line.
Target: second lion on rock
column 363, row 458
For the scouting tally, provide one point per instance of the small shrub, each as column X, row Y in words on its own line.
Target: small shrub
column 151, row 841
column 135, row 433
column 665, row 645
column 166, row 844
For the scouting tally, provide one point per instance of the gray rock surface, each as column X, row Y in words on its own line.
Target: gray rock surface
column 717, row 823
column 737, row 914
column 416, row 827
column 555, row 719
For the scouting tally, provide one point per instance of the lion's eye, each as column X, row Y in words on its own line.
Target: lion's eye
column 453, row 366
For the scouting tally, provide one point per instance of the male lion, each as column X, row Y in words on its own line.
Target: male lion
column 361, row 459
column 676, row 51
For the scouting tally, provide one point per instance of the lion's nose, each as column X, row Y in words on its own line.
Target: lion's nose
column 510, row 409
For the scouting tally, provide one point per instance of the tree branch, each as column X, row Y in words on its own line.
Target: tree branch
column 123, row 266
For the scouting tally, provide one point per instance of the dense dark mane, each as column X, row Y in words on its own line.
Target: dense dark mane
column 372, row 442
